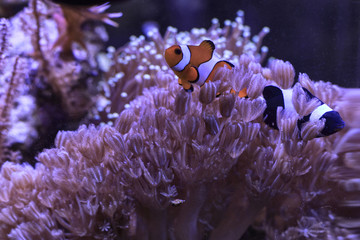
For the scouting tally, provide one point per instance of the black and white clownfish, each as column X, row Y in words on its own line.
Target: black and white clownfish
column 276, row 97
column 196, row 64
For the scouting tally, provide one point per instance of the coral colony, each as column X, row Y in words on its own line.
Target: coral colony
column 153, row 161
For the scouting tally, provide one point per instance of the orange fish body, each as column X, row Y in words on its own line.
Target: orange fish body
column 195, row 64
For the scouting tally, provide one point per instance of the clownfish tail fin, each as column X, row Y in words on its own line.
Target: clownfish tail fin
column 208, row 44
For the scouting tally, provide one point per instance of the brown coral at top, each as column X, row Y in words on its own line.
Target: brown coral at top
column 70, row 21
column 43, row 91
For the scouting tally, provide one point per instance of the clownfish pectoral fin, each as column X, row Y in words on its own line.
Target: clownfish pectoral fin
column 208, row 45
column 192, row 74
column 180, row 82
column 187, row 86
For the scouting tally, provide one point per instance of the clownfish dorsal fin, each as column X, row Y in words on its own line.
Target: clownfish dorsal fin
column 308, row 94
column 208, row 45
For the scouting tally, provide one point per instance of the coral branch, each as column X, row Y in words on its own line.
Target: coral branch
column 186, row 223
column 237, row 219
column 8, row 104
column 37, row 37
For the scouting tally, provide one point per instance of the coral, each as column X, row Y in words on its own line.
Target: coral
column 69, row 78
column 134, row 67
column 12, row 81
column 87, row 186
column 69, row 23
column 167, row 164
column 44, row 89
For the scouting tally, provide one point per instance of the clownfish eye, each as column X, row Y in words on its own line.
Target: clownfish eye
column 177, row 51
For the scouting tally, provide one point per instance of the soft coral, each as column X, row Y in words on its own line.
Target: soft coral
column 70, row 21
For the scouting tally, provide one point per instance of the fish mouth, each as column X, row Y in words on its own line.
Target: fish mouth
column 334, row 123
column 339, row 127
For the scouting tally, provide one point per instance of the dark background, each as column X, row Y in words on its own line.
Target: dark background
column 319, row 37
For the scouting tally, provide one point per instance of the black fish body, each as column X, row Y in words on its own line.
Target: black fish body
column 276, row 97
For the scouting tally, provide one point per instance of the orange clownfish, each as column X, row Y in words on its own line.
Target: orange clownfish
column 196, row 64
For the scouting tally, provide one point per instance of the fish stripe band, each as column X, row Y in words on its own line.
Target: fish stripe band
column 205, row 69
column 287, row 95
column 185, row 60
column 319, row 111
